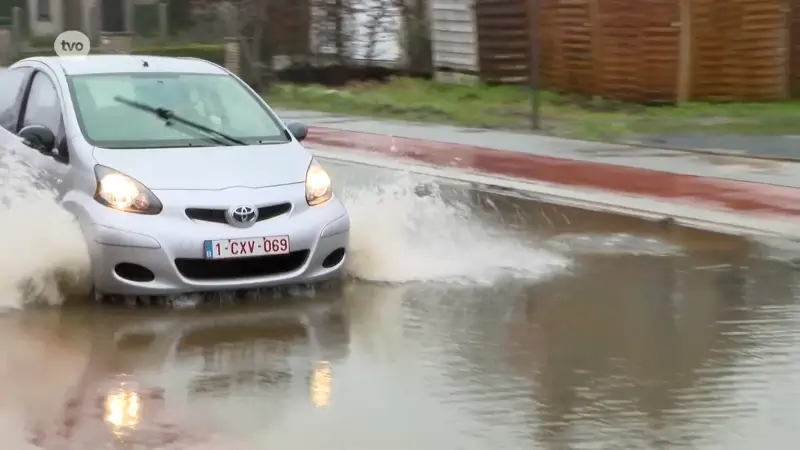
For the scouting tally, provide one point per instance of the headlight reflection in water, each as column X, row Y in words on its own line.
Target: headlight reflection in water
column 122, row 410
column 320, row 386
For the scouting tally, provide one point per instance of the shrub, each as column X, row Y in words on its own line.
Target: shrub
column 145, row 20
column 43, row 51
column 211, row 52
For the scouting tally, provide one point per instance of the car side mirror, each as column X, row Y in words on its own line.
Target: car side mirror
column 62, row 152
column 39, row 137
column 298, row 130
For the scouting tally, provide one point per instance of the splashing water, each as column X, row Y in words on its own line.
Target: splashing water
column 612, row 244
column 399, row 236
column 44, row 252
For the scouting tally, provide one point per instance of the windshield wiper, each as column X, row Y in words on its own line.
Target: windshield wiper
column 169, row 116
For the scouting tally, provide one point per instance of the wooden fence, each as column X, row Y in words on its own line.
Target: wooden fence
column 651, row 50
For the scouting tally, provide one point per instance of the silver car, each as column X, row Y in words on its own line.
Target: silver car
column 180, row 175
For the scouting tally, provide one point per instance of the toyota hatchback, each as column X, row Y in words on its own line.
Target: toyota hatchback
column 181, row 176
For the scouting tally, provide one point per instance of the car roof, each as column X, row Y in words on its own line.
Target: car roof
column 110, row 64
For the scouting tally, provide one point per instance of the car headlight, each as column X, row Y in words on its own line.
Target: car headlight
column 318, row 185
column 121, row 192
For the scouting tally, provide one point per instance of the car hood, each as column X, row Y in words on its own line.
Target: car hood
column 210, row 168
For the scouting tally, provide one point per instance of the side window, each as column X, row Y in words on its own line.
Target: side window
column 44, row 10
column 43, row 107
column 13, row 83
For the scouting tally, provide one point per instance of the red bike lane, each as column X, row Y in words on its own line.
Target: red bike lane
column 716, row 192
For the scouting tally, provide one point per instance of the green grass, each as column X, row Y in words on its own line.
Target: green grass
column 509, row 107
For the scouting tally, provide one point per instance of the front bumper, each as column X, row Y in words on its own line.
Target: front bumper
column 173, row 251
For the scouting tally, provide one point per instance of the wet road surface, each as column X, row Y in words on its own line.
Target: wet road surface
column 576, row 330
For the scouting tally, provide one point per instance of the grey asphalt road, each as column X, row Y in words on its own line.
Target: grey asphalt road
column 775, row 146
column 468, row 320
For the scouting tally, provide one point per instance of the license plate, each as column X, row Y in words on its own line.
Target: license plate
column 238, row 248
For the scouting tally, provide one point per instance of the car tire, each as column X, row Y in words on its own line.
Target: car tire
column 106, row 299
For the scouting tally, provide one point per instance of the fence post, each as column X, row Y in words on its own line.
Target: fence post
column 6, row 46
column 163, row 20
column 15, row 40
column 95, row 22
column 684, row 79
column 534, row 61
column 233, row 55
column 129, row 10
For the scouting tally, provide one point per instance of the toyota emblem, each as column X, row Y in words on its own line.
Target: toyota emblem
column 243, row 216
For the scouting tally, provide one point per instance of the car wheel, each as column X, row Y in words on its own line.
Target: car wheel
column 106, row 299
column 96, row 296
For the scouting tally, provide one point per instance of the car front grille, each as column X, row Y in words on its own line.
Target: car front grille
column 218, row 215
column 251, row 267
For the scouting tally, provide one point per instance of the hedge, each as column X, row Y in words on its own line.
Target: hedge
column 145, row 20
column 36, row 52
column 211, row 52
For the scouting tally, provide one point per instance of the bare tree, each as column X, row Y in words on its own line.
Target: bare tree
column 417, row 49
column 329, row 29
column 355, row 30
column 381, row 21
column 244, row 20
column 323, row 32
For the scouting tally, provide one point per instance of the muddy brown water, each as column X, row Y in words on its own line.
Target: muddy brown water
column 655, row 336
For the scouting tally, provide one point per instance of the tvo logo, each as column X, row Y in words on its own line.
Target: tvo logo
column 72, row 43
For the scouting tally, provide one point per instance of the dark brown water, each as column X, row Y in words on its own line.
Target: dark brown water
column 637, row 335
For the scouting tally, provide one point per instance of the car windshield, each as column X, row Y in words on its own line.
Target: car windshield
column 217, row 102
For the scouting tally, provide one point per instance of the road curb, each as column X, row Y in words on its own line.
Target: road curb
column 694, row 216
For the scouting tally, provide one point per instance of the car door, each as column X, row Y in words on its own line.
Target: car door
column 14, row 83
column 42, row 105
column 15, row 159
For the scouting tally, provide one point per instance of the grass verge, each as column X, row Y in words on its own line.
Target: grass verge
column 509, row 107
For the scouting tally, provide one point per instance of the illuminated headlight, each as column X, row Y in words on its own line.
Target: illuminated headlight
column 122, row 410
column 318, row 185
column 121, row 192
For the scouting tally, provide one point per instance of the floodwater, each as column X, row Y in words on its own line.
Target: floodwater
column 468, row 320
